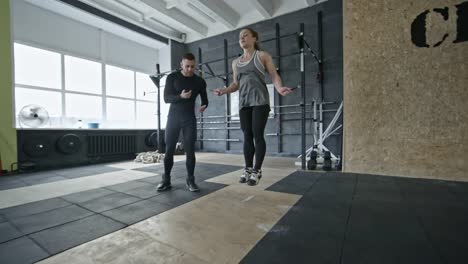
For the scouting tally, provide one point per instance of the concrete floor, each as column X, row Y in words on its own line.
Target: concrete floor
column 112, row 214
column 220, row 227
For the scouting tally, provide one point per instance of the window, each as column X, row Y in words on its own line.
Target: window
column 164, row 107
column 83, row 106
column 146, row 105
column 37, row 67
column 129, row 100
column 83, row 75
column 146, row 115
column 120, row 110
column 145, row 88
column 50, row 100
column 271, row 91
column 234, row 106
column 120, row 82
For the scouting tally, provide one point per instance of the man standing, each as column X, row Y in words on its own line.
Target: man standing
column 181, row 90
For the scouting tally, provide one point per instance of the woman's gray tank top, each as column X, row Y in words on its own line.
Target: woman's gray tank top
column 252, row 86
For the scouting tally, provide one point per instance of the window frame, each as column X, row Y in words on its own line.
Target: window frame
column 103, row 94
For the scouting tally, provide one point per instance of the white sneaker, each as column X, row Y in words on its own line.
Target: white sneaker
column 245, row 175
column 255, row 177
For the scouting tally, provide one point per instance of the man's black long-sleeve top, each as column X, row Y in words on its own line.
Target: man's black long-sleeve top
column 175, row 84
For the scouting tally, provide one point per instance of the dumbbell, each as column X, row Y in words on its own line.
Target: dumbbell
column 327, row 163
column 312, row 162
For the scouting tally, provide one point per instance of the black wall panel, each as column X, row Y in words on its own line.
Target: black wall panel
column 332, row 42
column 47, row 149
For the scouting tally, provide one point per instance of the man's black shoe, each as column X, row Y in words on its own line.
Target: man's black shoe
column 192, row 186
column 163, row 186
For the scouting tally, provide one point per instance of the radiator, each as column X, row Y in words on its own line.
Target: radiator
column 102, row 145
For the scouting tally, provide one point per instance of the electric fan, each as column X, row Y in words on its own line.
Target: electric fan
column 33, row 116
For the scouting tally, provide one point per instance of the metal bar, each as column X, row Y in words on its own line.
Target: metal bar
column 332, row 123
column 223, row 116
column 218, row 122
column 200, row 59
column 320, row 124
column 290, row 113
column 320, row 52
column 218, row 60
column 286, row 55
column 218, row 128
column 285, row 134
column 333, row 132
column 158, row 85
column 297, row 105
column 221, row 76
column 312, row 52
column 213, row 74
column 278, row 65
column 307, row 112
column 294, row 105
column 220, row 139
column 237, row 121
column 303, row 121
column 278, row 37
column 228, row 98
column 341, row 142
column 297, row 119
column 209, row 68
column 161, row 74
column 296, row 134
column 211, row 61
column 314, row 109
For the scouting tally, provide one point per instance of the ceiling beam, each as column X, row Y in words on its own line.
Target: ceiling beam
column 201, row 13
column 179, row 3
column 174, row 3
column 118, row 9
column 314, row 2
column 105, row 20
column 219, row 11
column 264, row 7
column 172, row 17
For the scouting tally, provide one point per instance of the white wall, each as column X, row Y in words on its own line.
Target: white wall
column 165, row 58
column 123, row 52
column 45, row 29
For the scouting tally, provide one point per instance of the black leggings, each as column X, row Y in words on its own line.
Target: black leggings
column 253, row 121
column 189, row 131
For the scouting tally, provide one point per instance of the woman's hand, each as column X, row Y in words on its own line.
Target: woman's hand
column 218, row 92
column 284, row 90
column 202, row 109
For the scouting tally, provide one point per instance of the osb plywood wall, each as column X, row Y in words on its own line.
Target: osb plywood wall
column 8, row 149
column 406, row 88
